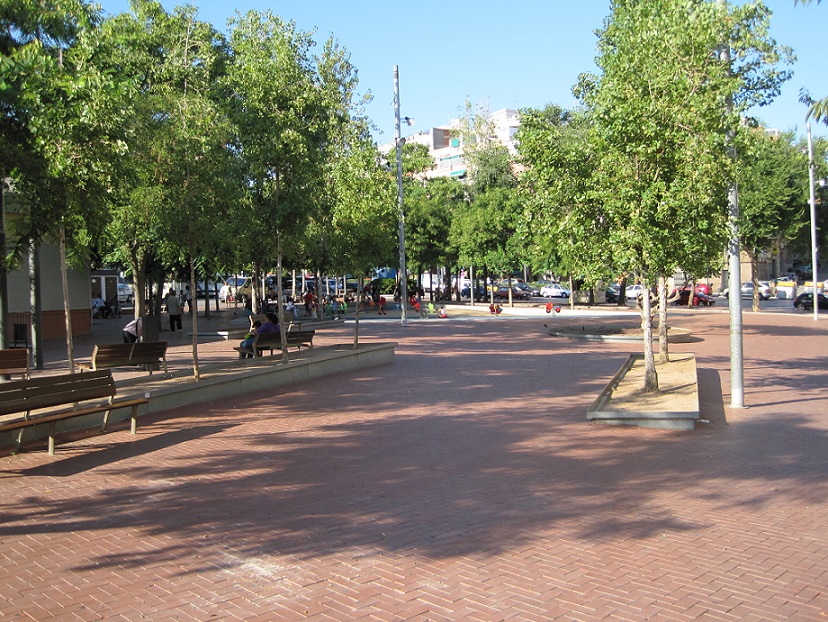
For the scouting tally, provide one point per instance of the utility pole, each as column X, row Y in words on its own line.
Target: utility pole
column 399, row 142
column 734, row 272
column 814, row 248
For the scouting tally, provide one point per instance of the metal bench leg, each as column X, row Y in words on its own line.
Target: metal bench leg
column 52, row 426
column 133, row 424
column 105, row 421
column 19, row 443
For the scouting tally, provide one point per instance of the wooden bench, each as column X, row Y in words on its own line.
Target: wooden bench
column 15, row 361
column 273, row 341
column 48, row 392
column 150, row 354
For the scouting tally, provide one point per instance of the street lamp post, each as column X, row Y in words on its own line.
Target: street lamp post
column 399, row 141
column 813, row 221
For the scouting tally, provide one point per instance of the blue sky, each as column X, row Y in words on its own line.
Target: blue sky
column 517, row 54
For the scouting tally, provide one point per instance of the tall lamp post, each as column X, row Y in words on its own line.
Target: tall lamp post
column 399, row 142
column 813, row 221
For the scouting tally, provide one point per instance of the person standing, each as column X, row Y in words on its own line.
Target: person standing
column 173, row 310
column 188, row 299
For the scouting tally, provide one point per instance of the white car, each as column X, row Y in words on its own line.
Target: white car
column 124, row 292
column 747, row 290
column 554, row 290
column 631, row 292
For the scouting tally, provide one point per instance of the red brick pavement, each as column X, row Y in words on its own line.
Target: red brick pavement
column 461, row 483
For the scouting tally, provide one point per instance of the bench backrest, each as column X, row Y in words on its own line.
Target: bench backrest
column 149, row 352
column 14, row 361
column 111, row 353
column 47, row 391
column 265, row 340
column 300, row 335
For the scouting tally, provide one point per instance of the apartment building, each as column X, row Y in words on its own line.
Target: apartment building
column 445, row 143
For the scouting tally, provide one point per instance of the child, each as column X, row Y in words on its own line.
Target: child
column 246, row 346
column 442, row 313
column 381, row 307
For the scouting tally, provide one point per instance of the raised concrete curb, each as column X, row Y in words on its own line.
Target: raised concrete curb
column 674, row 407
column 222, row 382
column 674, row 335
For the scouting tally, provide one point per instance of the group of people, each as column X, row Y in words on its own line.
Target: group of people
column 101, row 308
column 428, row 310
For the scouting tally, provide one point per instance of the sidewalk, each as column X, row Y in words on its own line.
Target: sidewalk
column 460, row 483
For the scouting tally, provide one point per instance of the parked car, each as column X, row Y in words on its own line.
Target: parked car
column 124, row 292
column 502, row 292
column 699, row 298
column 208, row 289
column 747, row 290
column 704, row 288
column 632, row 292
column 530, row 289
column 611, row 294
column 555, row 290
column 479, row 294
column 806, row 301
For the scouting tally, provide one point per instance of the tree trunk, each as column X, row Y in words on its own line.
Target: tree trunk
column 138, row 284
column 206, row 294
column 67, row 309
column 571, row 292
column 754, row 278
column 280, row 308
column 35, row 305
column 622, row 292
column 650, row 374
column 358, row 304
column 663, row 345
column 196, row 370
column 4, row 285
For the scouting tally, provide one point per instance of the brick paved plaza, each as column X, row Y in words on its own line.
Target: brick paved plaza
column 461, row 483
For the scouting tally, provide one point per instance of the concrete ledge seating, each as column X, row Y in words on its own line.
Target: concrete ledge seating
column 150, row 354
column 49, row 392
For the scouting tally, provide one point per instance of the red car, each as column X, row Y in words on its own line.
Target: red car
column 517, row 293
column 700, row 298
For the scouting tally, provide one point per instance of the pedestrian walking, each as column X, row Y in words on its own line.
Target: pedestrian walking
column 173, row 310
column 188, row 299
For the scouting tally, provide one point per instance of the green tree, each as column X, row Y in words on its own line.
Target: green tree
column 659, row 112
column 73, row 103
column 564, row 224
column 364, row 210
column 773, row 194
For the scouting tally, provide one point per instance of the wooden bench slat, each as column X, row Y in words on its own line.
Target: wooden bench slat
column 24, row 396
column 15, row 361
column 106, row 356
column 273, row 341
